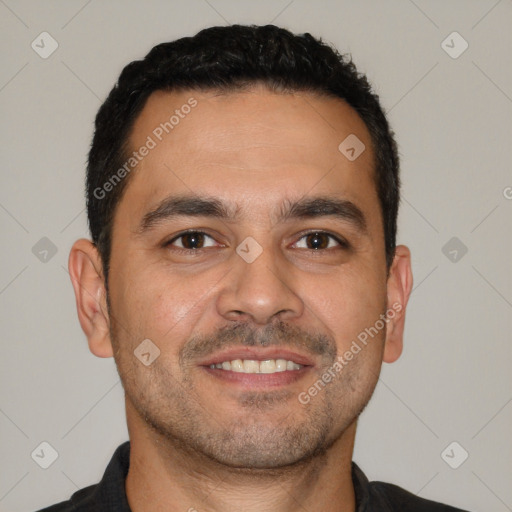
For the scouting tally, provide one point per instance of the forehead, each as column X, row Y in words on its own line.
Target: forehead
column 252, row 149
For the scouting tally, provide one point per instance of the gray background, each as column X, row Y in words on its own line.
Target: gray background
column 452, row 118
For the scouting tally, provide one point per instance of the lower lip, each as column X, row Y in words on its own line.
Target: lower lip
column 258, row 380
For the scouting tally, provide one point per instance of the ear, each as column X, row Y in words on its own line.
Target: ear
column 86, row 271
column 399, row 288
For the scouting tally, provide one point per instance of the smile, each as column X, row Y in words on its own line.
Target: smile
column 254, row 366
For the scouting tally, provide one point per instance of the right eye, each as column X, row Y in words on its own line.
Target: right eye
column 190, row 241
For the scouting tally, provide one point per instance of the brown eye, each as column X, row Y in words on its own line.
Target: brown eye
column 318, row 240
column 192, row 240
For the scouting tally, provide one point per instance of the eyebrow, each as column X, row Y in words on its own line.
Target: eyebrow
column 324, row 206
column 304, row 208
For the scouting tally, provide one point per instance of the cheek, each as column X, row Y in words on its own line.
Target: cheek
column 158, row 304
column 347, row 304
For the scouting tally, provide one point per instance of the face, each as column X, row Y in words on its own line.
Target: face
column 250, row 251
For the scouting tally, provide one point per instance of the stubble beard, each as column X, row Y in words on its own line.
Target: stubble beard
column 261, row 433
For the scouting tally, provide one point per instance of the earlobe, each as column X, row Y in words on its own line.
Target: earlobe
column 399, row 287
column 86, row 273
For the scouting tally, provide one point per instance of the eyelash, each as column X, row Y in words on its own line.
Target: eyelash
column 343, row 244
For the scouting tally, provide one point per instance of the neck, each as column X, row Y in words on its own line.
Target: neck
column 165, row 477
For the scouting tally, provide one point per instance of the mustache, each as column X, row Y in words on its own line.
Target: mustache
column 244, row 334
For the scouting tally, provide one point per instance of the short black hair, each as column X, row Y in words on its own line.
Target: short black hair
column 231, row 58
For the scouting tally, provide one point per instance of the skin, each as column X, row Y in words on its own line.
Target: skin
column 204, row 443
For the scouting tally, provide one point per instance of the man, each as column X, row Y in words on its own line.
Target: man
column 242, row 194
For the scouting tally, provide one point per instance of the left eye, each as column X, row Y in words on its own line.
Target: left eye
column 192, row 240
column 320, row 240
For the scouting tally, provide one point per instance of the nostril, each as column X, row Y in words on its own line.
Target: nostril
column 236, row 314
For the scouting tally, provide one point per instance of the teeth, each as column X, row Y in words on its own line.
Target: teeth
column 252, row 366
column 268, row 366
column 237, row 365
column 290, row 365
column 280, row 365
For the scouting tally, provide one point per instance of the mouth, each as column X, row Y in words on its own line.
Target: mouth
column 258, row 368
column 255, row 366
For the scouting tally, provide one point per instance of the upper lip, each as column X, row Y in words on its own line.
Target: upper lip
column 257, row 354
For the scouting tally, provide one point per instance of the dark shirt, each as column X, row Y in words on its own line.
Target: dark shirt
column 109, row 494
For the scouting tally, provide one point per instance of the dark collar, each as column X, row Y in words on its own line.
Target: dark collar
column 109, row 493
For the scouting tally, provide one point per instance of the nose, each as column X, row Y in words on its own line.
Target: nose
column 259, row 291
